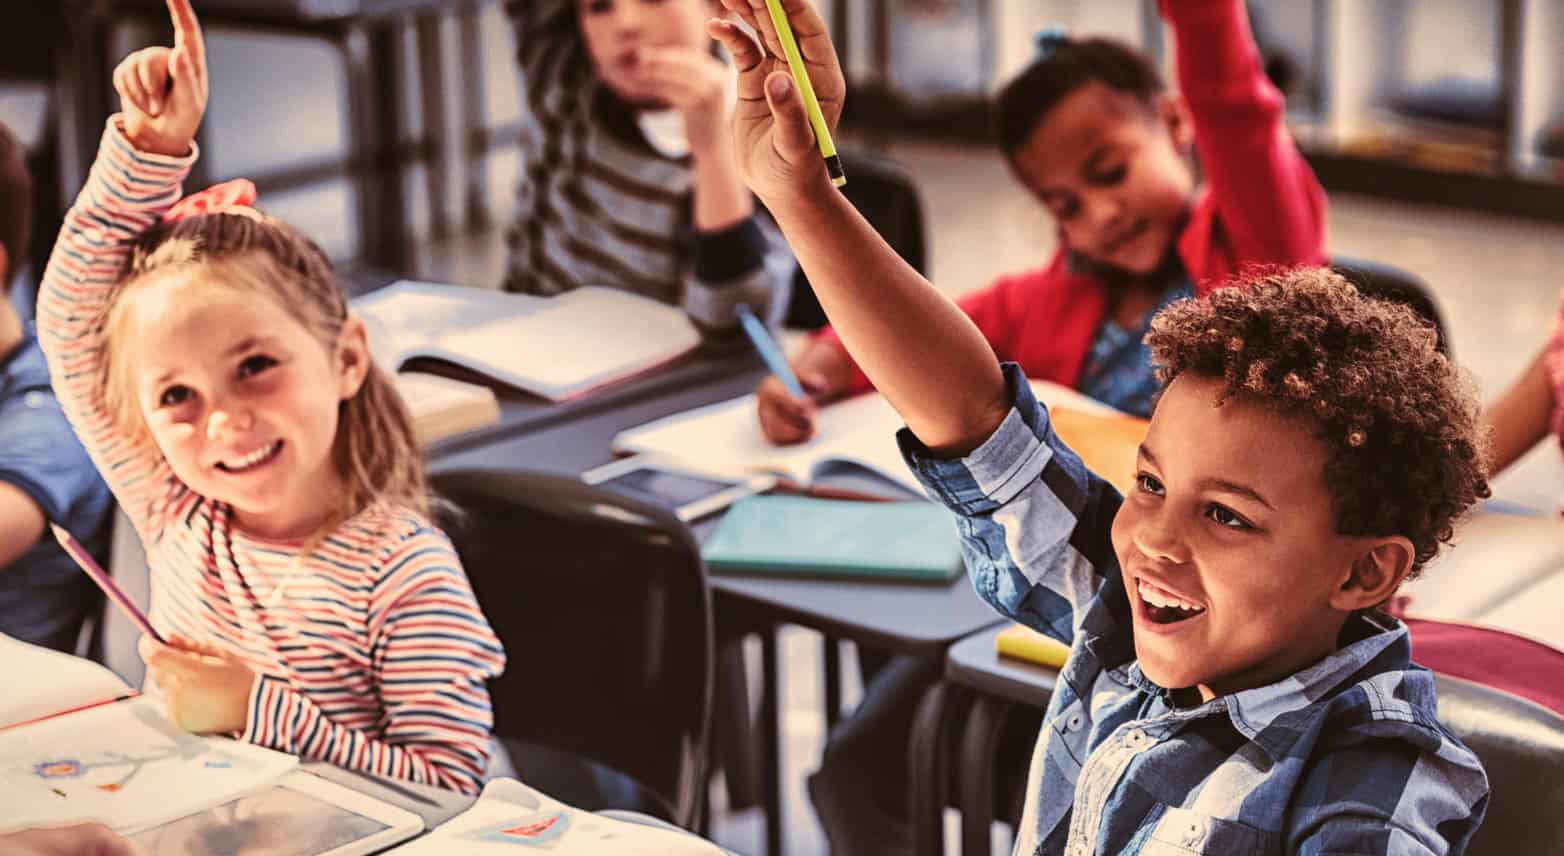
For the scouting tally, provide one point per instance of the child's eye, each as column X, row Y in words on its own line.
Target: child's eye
column 1148, row 484
column 598, row 7
column 175, row 396
column 1110, row 177
column 1225, row 517
column 255, row 365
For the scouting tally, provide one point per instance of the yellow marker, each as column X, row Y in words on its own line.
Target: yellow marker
column 795, row 64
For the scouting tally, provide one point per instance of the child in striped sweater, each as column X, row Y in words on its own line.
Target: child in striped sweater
column 209, row 362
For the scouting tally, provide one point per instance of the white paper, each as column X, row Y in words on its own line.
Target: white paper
column 725, row 438
column 511, row 818
column 41, row 681
column 125, row 765
column 556, row 347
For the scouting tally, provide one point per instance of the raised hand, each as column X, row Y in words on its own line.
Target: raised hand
column 775, row 146
column 163, row 90
column 694, row 83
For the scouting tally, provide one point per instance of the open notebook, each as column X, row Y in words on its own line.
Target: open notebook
column 510, row 817
column 725, row 438
column 77, row 744
column 556, row 347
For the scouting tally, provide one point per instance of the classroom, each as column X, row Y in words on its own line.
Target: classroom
column 785, row 427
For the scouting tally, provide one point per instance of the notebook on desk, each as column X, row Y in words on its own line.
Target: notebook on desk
column 78, row 744
column 558, row 347
column 811, row 537
column 860, row 432
column 511, row 818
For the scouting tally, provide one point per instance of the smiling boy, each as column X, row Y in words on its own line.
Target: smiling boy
column 1232, row 686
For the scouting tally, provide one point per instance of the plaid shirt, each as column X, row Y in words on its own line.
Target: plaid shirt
column 1345, row 756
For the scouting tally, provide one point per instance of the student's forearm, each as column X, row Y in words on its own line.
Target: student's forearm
column 21, row 524
column 721, row 199
column 920, row 350
column 1520, row 417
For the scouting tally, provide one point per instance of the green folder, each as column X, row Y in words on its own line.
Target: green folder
column 806, row 536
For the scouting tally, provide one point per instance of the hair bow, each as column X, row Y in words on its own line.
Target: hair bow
column 230, row 197
column 1050, row 39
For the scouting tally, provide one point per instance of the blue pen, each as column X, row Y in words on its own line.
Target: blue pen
column 769, row 351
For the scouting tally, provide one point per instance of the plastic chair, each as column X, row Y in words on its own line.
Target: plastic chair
column 888, row 198
column 1521, row 745
column 603, row 607
column 1389, row 282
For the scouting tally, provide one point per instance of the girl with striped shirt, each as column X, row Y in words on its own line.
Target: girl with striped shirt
column 207, row 359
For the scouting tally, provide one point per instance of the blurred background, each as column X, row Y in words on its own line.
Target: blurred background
column 387, row 129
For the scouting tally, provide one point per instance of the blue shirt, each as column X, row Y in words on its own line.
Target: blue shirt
column 1117, row 370
column 43, row 595
column 1345, row 756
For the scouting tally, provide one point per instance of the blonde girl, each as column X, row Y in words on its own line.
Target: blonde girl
column 211, row 366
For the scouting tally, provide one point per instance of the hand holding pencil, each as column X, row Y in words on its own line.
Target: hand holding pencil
column 779, row 151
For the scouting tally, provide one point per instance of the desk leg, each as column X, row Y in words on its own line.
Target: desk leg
column 770, row 717
column 833, row 682
column 979, row 751
column 929, row 763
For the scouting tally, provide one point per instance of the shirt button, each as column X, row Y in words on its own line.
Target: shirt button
column 1194, row 832
column 1135, row 739
column 1074, row 722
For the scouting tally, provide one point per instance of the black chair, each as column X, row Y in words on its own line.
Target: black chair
column 603, row 607
column 888, row 198
column 1389, row 282
column 1521, row 745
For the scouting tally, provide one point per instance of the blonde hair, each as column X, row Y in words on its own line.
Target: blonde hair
column 374, row 451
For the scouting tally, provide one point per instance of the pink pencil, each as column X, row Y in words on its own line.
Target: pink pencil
column 104, row 581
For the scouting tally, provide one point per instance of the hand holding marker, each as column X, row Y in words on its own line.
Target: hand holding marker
column 795, row 65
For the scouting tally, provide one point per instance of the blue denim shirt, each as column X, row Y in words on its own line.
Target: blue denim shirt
column 43, row 595
column 1345, row 756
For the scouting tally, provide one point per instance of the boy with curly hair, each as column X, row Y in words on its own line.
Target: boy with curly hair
column 1232, row 685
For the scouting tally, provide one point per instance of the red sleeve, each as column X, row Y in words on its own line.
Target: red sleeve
column 1271, row 206
column 997, row 309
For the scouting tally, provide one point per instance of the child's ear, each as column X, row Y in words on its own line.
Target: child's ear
column 1376, row 573
column 1174, row 113
column 353, row 360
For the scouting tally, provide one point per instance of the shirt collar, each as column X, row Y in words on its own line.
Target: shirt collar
column 1374, row 636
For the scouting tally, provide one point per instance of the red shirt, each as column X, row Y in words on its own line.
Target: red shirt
column 1261, row 204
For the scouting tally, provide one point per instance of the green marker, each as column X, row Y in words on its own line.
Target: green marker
column 795, row 64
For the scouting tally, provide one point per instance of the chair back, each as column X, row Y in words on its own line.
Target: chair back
column 1521, row 745
column 1388, row 282
column 888, row 198
column 603, row 607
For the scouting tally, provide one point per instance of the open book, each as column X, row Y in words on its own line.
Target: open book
column 725, row 439
column 78, row 744
column 556, row 347
column 510, row 817
column 443, row 407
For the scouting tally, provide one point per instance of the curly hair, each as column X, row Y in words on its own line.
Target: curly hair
column 1399, row 421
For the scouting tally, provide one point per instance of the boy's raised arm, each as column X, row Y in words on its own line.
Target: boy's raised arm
column 921, row 351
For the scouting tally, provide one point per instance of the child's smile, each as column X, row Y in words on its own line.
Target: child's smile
column 242, row 400
column 1228, row 546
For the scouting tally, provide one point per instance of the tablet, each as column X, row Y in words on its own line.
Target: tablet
column 298, row 815
column 689, row 495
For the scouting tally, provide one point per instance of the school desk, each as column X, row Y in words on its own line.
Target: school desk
column 899, row 618
column 982, row 688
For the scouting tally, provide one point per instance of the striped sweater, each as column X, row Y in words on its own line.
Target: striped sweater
column 597, row 205
column 375, row 656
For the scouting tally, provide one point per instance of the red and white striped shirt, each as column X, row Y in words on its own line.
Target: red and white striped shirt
column 375, row 655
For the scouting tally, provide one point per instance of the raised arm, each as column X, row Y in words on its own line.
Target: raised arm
column 142, row 162
column 1271, row 205
column 921, row 351
column 1521, row 416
